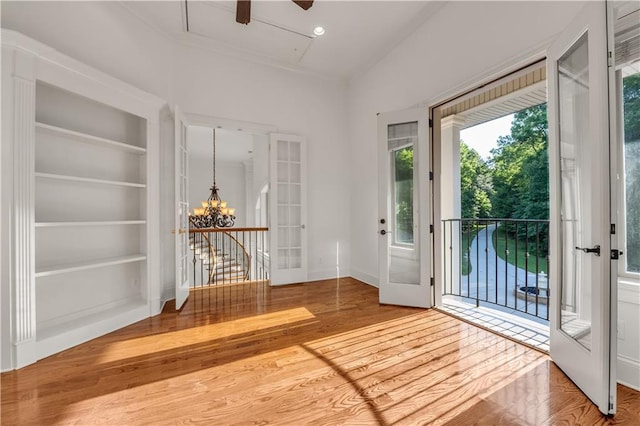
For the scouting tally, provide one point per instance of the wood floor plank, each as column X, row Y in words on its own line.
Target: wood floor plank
column 319, row 353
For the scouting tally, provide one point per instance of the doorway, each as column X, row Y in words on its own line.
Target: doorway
column 268, row 171
column 236, row 162
column 242, row 169
column 495, row 206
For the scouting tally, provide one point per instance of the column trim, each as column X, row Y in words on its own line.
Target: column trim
column 24, row 301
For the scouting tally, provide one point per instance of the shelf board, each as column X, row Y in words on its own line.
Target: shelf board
column 89, row 180
column 97, row 223
column 46, row 271
column 87, row 138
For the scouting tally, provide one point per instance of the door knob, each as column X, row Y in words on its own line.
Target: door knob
column 383, row 232
column 595, row 250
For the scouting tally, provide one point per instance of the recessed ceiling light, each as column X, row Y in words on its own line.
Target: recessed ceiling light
column 318, row 31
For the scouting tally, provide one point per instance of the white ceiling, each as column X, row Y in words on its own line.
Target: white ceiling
column 231, row 146
column 358, row 33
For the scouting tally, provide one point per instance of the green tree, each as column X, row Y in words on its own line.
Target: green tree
column 521, row 176
column 520, row 167
column 404, row 194
column 631, row 102
column 476, row 185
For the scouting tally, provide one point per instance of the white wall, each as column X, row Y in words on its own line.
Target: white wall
column 230, row 178
column 260, row 176
column 102, row 35
column 629, row 333
column 293, row 103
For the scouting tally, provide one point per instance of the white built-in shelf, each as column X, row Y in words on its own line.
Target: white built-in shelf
column 53, row 336
column 84, row 137
column 89, row 180
column 85, row 223
column 81, row 266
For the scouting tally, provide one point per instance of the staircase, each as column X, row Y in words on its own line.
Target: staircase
column 221, row 256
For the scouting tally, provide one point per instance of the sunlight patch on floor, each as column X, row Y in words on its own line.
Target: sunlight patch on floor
column 200, row 334
column 512, row 326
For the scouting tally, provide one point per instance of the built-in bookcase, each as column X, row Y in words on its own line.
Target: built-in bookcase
column 85, row 243
column 90, row 215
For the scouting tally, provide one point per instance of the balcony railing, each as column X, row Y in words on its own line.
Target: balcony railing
column 228, row 255
column 501, row 262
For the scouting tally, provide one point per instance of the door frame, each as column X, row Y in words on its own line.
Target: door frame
column 484, row 80
column 262, row 129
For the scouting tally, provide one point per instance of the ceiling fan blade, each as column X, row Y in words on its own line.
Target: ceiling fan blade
column 243, row 11
column 305, row 4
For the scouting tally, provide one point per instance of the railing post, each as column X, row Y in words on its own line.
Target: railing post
column 476, row 229
column 456, row 271
column 452, row 235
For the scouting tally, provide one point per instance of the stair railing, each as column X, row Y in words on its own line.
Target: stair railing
column 232, row 255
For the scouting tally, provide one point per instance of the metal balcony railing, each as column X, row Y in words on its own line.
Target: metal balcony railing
column 501, row 262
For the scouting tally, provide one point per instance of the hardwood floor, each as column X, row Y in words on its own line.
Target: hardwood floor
column 320, row 353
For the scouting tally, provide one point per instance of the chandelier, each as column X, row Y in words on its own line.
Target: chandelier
column 214, row 212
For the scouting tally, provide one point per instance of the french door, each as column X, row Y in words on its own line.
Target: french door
column 287, row 209
column 182, row 208
column 583, row 302
column 403, row 204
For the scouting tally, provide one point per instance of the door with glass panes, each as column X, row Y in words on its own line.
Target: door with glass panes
column 403, row 206
column 583, row 300
column 287, row 198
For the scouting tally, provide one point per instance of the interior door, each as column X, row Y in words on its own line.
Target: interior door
column 403, row 222
column 583, row 301
column 182, row 209
column 287, row 209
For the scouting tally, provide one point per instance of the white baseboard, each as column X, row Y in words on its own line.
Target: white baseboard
column 167, row 294
column 628, row 291
column 328, row 274
column 628, row 372
column 365, row 278
column 66, row 335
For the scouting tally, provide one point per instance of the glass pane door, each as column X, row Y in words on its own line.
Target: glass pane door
column 404, row 266
column 182, row 251
column 581, row 297
column 573, row 92
column 403, row 235
column 288, row 223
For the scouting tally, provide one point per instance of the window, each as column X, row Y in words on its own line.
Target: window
column 631, row 168
column 401, row 139
column 403, row 195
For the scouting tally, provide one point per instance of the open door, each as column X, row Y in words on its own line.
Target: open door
column 287, row 209
column 583, row 301
column 182, row 209
column 404, row 203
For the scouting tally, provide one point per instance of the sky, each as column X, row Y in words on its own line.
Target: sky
column 483, row 137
